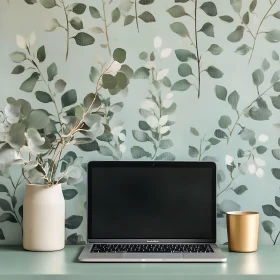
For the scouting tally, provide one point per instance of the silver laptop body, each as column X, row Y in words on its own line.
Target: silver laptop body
column 151, row 212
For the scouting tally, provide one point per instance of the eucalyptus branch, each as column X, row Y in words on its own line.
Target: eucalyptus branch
column 67, row 29
column 274, row 242
column 136, row 15
column 106, row 27
column 197, row 51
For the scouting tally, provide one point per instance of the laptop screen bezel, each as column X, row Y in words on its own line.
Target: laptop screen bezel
column 150, row 164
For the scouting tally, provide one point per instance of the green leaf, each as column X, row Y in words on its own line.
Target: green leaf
column 233, row 99
column 127, row 71
column 69, row 98
column 270, row 210
column 87, row 147
column 214, row 141
column 105, row 151
column 240, row 153
column 41, row 54
column 2, row 237
column 226, row 18
column 214, row 72
column 146, row 2
column 180, row 29
column 7, row 217
column 237, row 34
column 79, row 8
column 240, row 190
column 73, row 222
column 94, row 12
column 165, row 144
column 30, row 2
column 184, row 70
column 194, row 131
column 3, row 188
column 147, row 17
column 166, row 81
column 15, row 136
column 276, row 99
column 261, row 149
column 5, row 205
column 138, row 152
column 43, row 96
column 275, row 77
column 208, row 29
column 109, row 81
column 265, row 64
column 29, row 84
column 52, row 71
column 116, row 14
column 17, row 57
column 143, row 55
column 215, row 49
column 181, row 1
column 94, row 74
column 170, row 110
column 128, row 20
column 268, row 227
column 76, row 23
column 166, row 156
column 119, row 55
column 84, row 39
column 144, row 126
column 224, row 122
column 181, row 85
column 60, row 85
column 276, row 173
column 184, row 55
column 122, row 80
column 258, row 77
column 277, row 201
column 277, row 15
column 236, row 5
column 273, row 36
column 38, row 119
column 141, row 136
column 209, row 8
column 193, row 152
column 253, row 5
column 221, row 92
column 243, row 50
column 48, row 3
column 142, row 73
column 276, row 153
column 220, row 134
column 246, row 18
column 275, row 55
column 18, row 70
column 177, row 11
column 260, row 113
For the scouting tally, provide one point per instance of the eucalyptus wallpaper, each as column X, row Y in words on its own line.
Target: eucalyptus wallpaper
column 188, row 80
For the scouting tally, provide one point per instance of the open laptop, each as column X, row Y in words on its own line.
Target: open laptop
column 151, row 212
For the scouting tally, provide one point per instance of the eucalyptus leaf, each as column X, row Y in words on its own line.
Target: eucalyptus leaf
column 193, row 152
column 226, row 18
column 220, row 134
column 265, row 64
column 105, row 151
column 3, row 188
column 180, row 29
column 8, row 217
column 17, row 57
column 275, row 55
column 128, row 20
column 166, row 157
column 214, row 72
column 276, row 153
column 109, row 81
column 29, row 84
column 48, row 3
column 276, row 101
column 147, row 17
column 221, row 92
column 215, row 49
column 214, row 141
column 142, row 73
column 52, row 72
column 185, row 70
column 258, row 77
column 84, row 39
column 119, row 55
column 233, row 99
column 15, row 136
column 60, row 85
column 146, row 2
column 273, row 36
column 116, row 14
column 253, row 5
column 69, row 98
column 79, row 8
column 224, row 122
column 208, row 29
column 240, row 190
column 236, row 5
column 38, row 119
column 41, row 54
column 76, row 23
column 261, row 149
column 246, row 18
column 268, row 227
column 270, row 210
column 94, row 12
column 94, row 74
column 181, row 85
column 237, row 34
column 18, row 70
column 209, row 8
column 138, row 152
column 194, row 131
column 177, row 11
column 243, row 50
column 73, row 222
column 184, row 55
column 277, row 15
column 165, row 144
column 141, row 136
column 43, row 96
column 2, row 236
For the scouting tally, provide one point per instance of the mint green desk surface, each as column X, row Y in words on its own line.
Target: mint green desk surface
column 18, row 264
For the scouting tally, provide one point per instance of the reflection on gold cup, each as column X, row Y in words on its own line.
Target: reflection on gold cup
column 242, row 229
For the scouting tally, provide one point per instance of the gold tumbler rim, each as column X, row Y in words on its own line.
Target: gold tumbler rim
column 242, row 213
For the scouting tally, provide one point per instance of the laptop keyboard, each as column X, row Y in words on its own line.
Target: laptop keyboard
column 151, row 248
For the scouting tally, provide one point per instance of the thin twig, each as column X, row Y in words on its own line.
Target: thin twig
column 67, row 30
column 106, row 27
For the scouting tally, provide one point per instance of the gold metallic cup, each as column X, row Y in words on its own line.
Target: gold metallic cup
column 242, row 230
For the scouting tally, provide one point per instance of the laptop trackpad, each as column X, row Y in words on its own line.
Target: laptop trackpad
column 153, row 256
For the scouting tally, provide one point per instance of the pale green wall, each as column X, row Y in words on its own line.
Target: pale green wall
column 203, row 114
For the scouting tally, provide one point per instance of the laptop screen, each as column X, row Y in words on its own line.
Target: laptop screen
column 151, row 201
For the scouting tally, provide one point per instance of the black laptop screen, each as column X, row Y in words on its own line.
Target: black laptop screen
column 151, row 202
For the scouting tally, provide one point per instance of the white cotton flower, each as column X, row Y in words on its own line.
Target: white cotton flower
column 260, row 162
column 260, row 173
column 166, row 53
column 161, row 74
column 157, row 42
column 252, row 168
column 229, row 160
column 164, row 129
column 21, row 41
column 263, row 138
column 122, row 148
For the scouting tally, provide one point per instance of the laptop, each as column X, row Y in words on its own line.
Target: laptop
column 151, row 212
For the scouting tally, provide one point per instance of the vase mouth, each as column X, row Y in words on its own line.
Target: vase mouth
column 42, row 185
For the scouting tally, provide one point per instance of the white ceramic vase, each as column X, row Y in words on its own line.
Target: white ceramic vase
column 43, row 218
